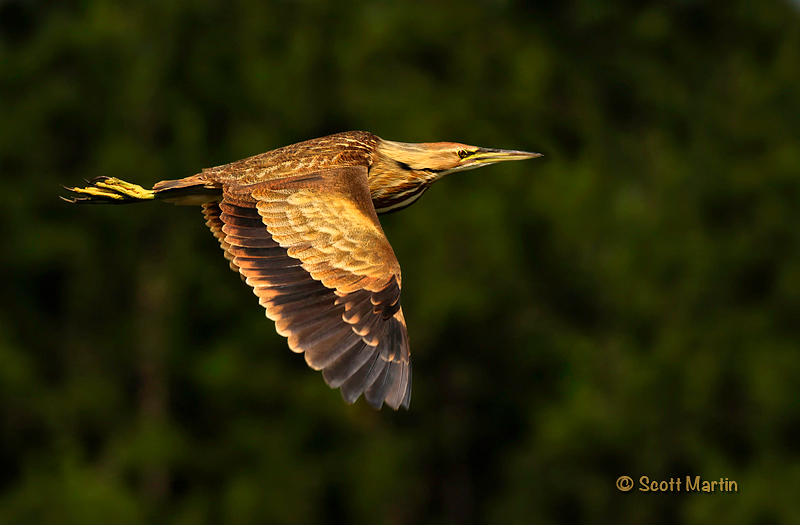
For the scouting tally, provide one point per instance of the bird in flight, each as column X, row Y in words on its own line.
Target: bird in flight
column 300, row 224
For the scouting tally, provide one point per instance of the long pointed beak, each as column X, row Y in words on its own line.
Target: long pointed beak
column 489, row 155
column 486, row 156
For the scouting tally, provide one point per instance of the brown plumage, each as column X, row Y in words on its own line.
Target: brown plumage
column 300, row 224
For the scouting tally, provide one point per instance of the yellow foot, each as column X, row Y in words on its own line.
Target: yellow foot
column 110, row 190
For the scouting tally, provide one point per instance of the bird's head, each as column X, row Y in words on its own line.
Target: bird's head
column 442, row 158
column 402, row 171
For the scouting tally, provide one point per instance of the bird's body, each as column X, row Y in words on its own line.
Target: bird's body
column 300, row 224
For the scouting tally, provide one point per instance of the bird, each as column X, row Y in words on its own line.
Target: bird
column 300, row 225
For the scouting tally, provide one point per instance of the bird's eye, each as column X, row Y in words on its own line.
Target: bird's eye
column 463, row 153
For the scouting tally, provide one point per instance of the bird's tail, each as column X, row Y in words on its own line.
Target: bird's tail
column 111, row 190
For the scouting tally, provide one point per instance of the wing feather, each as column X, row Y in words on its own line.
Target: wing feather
column 212, row 214
column 347, row 364
column 377, row 391
column 364, row 376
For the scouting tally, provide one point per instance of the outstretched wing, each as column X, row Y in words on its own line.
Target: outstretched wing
column 313, row 250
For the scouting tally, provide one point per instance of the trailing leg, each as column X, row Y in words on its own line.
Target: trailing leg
column 110, row 190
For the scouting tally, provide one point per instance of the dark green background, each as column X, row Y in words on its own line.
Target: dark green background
column 629, row 304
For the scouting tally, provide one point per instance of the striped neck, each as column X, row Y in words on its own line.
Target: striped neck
column 395, row 181
column 394, row 185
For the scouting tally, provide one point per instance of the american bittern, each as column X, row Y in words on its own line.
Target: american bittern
column 300, row 224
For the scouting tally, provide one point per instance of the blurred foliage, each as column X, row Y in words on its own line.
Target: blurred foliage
column 626, row 305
